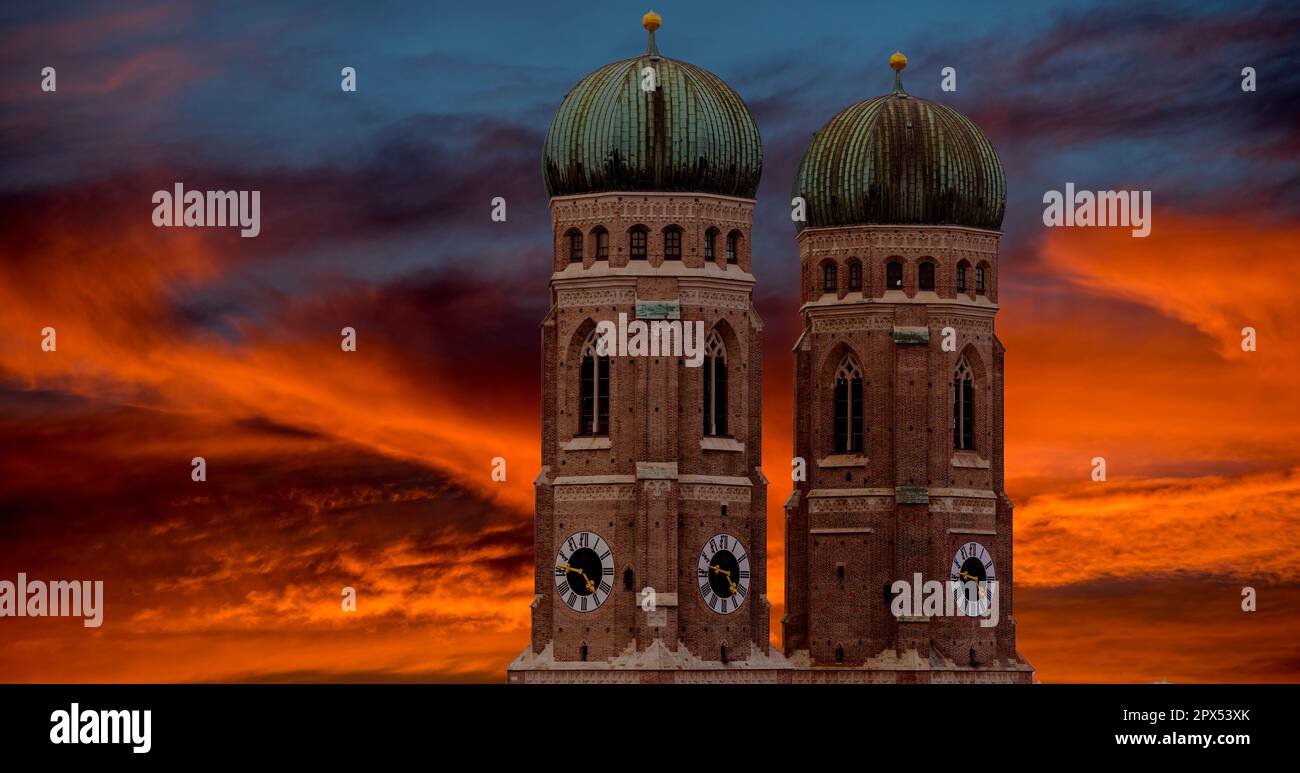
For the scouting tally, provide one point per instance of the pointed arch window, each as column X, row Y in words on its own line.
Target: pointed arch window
column 961, row 277
column 848, row 407
column 602, row 244
column 593, row 411
column 830, row 278
column 637, row 243
column 733, row 247
column 979, row 280
column 894, row 275
column 710, row 243
column 715, row 387
column 963, row 407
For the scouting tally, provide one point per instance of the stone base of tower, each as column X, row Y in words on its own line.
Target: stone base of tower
column 909, row 667
column 657, row 664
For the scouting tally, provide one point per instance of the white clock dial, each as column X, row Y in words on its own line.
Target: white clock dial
column 973, row 563
column 722, row 572
column 584, row 571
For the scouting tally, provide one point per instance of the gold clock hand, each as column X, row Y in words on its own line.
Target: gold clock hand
column 720, row 570
column 591, row 586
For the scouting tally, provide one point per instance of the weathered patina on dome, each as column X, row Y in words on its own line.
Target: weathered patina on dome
column 900, row 160
column 692, row 134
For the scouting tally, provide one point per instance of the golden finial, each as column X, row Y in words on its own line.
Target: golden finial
column 897, row 62
column 651, row 23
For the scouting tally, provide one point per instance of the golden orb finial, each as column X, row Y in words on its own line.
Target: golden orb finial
column 651, row 21
column 897, row 61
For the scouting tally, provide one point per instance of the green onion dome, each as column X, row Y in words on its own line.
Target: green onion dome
column 901, row 160
column 692, row 133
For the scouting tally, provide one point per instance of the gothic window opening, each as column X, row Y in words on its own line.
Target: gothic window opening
column 672, row 244
column 638, row 243
column 855, row 277
column 629, row 579
column 593, row 413
column 602, row 244
column 710, row 242
column 925, row 276
column 582, row 654
column 830, row 278
column 733, row 246
column 848, row 407
column 715, row 387
column 979, row 280
column 722, row 654
column 839, row 653
column 963, row 407
column 961, row 278
column 894, row 275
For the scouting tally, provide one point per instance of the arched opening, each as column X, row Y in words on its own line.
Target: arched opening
column 602, row 244
column 962, row 269
column 733, row 247
column 722, row 653
column 848, row 406
column 638, row 242
column 593, row 388
column 629, row 579
column 839, row 653
column 979, row 280
column 575, row 246
column 715, row 386
column 830, row 277
column 925, row 276
column 582, row 652
column 963, row 406
column 672, row 243
column 855, row 276
column 894, row 275
column 711, row 244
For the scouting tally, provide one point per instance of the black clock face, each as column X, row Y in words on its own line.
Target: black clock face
column 722, row 571
column 584, row 571
column 972, row 569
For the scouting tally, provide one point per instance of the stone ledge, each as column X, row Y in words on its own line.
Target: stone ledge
column 583, row 443
column 843, row 460
column 721, row 444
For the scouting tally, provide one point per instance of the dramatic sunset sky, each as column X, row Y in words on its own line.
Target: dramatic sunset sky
column 372, row 469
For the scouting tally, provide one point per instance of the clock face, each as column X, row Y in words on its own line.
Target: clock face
column 584, row 571
column 723, row 573
column 973, row 563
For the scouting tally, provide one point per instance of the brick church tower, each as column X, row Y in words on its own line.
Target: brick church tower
column 898, row 402
column 650, row 472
